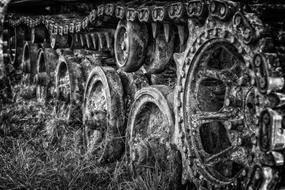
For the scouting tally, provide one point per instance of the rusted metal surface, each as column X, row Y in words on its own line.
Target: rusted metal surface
column 225, row 112
column 45, row 73
column 68, row 87
column 103, row 115
column 28, row 67
column 130, row 44
column 149, row 130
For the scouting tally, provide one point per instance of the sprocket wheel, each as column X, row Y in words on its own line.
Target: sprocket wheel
column 150, row 130
column 217, row 109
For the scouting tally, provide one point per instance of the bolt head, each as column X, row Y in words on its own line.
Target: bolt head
column 257, row 61
column 237, row 20
column 223, row 10
column 213, row 7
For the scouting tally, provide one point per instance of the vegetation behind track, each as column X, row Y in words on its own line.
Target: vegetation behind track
column 40, row 151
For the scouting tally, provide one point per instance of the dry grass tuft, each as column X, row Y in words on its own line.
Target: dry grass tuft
column 40, row 151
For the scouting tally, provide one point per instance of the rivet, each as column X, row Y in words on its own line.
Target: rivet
column 182, row 74
column 223, row 10
column 199, row 41
column 257, row 61
column 237, row 20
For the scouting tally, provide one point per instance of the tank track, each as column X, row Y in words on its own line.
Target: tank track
column 151, row 63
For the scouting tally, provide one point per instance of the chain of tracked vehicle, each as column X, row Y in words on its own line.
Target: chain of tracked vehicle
column 252, row 87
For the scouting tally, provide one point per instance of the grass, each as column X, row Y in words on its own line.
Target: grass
column 39, row 151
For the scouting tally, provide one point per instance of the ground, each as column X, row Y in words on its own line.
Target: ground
column 40, row 151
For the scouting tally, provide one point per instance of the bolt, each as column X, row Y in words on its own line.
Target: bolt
column 253, row 140
column 239, row 141
column 123, row 46
column 243, row 173
column 237, row 20
column 213, row 7
column 257, row 61
column 257, row 174
column 223, row 10
column 227, row 102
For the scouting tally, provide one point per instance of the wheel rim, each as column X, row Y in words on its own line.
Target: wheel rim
column 26, row 65
column 96, row 110
column 63, row 90
column 131, row 40
column 150, row 126
column 103, row 115
column 41, row 90
column 12, row 45
column 122, row 46
column 217, row 103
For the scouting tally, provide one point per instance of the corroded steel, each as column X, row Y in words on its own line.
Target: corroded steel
column 227, row 82
column 103, row 115
column 150, row 129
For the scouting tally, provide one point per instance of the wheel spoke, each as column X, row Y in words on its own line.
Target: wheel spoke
column 210, row 116
column 226, row 76
column 215, row 158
